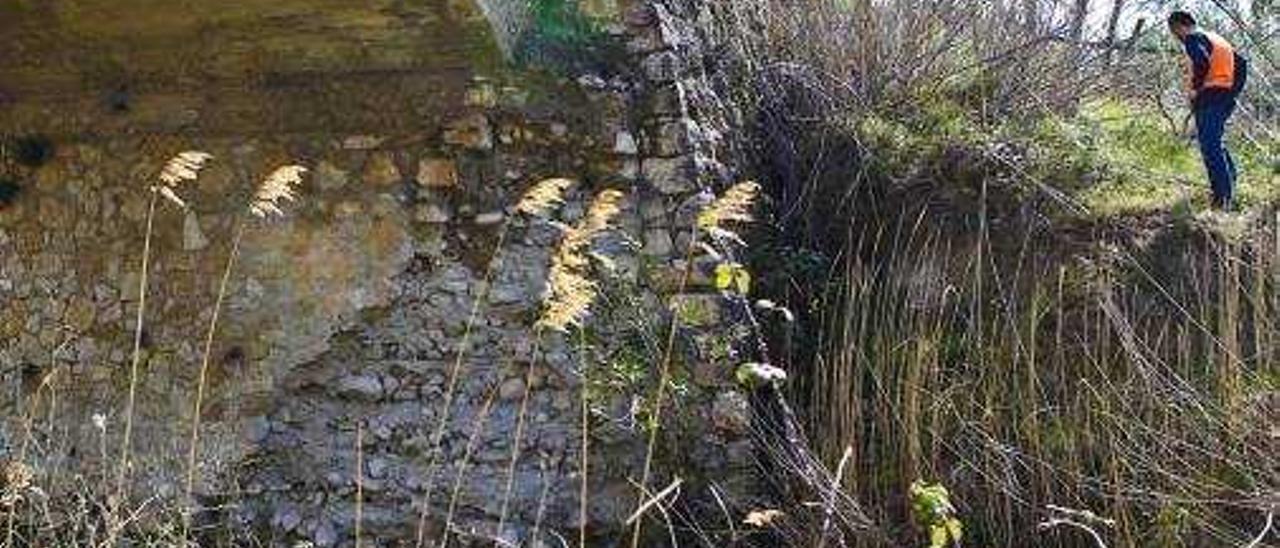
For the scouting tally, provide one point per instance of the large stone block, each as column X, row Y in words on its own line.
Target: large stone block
column 669, row 175
column 437, row 173
column 698, row 310
column 472, row 131
column 663, row 67
column 668, row 138
column 380, row 170
column 658, row 243
column 328, row 176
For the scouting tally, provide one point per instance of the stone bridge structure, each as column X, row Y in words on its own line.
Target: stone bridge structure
column 343, row 320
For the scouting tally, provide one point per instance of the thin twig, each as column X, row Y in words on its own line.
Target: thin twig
column 655, row 499
column 1266, row 530
column 1054, row 522
column 204, row 371
column 830, row 509
column 359, row 480
column 123, row 472
column 1076, row 518
column 728, row 517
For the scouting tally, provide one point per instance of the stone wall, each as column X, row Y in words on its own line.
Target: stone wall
column 345, row 319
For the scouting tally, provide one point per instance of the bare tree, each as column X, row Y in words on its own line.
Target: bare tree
column 1113, row 27
column 1079, row 16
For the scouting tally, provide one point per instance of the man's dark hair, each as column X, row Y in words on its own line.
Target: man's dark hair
column 1181, row 18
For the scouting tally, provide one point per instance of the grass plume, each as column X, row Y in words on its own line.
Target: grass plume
column 539, row 202
column 182, row 168
column 567, row 302
column 279, row 185
column 570, row 291
column 734, row 205
column 542, row 198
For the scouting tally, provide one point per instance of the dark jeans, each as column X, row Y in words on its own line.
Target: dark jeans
column 1211, row 124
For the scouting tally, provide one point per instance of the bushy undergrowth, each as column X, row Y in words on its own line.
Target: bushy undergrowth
column 1040, row 381
column 564, row 37
column 1108, row 158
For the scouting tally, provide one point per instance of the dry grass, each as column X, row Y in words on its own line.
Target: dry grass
column 277, row 186
column 1008, row 372
column 1027, row 383
column 182, row 168
column 570, row 289
column 538, row 202
column 713, row 224
column 568, row 300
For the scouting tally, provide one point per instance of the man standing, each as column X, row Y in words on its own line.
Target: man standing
column 1215, row 77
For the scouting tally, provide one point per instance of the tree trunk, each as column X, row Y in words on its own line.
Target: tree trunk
column 1031, row 16
column 1078, row 18
column 1113, row 26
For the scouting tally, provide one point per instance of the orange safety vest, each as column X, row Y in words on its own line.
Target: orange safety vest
column 1222, row 64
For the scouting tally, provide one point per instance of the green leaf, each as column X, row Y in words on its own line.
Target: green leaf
column 724, row 276
column 955, row 528
column 743, row 281
column 937, row 536
column 932, row 509
column 733, row 277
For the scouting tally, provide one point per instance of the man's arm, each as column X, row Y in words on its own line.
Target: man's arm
column 1199, row 48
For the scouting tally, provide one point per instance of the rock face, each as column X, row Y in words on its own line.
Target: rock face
column 394, row 301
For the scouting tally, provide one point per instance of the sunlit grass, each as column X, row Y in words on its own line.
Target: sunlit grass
column 1144, row 164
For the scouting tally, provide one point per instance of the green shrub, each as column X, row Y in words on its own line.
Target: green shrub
column 563, row 37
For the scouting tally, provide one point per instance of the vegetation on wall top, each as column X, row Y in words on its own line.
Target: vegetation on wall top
column 563, row 36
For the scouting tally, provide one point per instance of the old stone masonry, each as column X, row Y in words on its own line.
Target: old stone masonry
column 380, row 345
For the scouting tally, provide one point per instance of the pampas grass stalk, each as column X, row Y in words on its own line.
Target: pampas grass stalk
column 180, row 169
column 568, row 302
column 278, row 186
column 456, row 372
column 538, row 201
column 519, row 436
column 542, row 503
column 461, row 474
column 584, row 467
column 123, row 463
column 664, row 374
column 359, row 481
column 733, row 206
column 193, row 445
